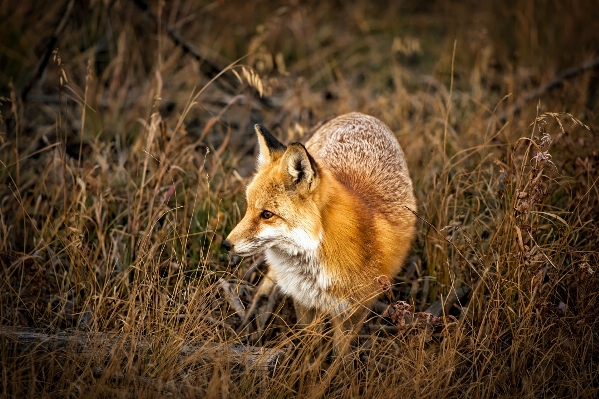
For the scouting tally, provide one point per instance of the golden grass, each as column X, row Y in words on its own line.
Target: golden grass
column 124, row 169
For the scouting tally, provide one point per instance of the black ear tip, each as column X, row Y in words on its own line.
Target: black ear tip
column 261, row 129
column 271, row 141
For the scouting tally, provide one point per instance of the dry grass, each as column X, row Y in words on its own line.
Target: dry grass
column 125, row 166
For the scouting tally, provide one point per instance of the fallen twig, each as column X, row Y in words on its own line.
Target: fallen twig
column 28, row 340
column 158, row 385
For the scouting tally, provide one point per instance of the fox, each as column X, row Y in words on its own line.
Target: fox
column 332, row 217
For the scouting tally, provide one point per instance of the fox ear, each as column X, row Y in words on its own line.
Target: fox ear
column 301, row 167
column 269, row 145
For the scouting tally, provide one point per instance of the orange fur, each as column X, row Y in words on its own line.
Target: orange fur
column 336, row 216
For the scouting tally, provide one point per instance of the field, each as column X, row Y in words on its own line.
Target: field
column 126, row 143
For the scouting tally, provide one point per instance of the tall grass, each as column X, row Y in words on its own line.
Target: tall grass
column 125, row 167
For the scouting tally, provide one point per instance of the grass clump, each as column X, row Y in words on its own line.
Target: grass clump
column 124, row 167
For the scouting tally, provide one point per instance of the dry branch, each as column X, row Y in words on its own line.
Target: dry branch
column 554, row 83
column 51, row 42
column 442, row 306
column 103, row 345
column 232, row 297
column 208, row 67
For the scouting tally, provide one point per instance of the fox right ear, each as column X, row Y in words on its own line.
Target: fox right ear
column 269, row 146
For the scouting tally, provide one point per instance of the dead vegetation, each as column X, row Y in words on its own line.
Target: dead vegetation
column 123, row 162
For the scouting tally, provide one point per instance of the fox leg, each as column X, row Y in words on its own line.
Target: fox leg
column 305, row 316
column 345, row 328
column 264, row 289
column 311, row 325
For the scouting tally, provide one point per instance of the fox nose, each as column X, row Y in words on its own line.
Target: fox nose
column 227, row 245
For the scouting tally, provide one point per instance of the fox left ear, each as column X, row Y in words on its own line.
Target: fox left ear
column 301, row 167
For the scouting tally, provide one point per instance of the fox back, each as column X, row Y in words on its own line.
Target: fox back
column 331, row 217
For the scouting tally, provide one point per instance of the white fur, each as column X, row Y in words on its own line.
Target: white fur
column 264, row 239
column 295, row 260
column 261, row 160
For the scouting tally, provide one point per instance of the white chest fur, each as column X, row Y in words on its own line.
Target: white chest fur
column 303, row 277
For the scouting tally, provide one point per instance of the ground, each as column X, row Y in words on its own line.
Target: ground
column 126, row 142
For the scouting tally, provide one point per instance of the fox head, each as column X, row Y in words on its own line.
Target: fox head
column 282, row 201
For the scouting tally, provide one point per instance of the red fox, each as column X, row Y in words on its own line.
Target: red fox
column 331, row 217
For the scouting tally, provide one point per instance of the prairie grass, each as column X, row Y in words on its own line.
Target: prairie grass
column 124, row 168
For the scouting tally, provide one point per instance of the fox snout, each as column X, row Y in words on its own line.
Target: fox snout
column 243, row 242
column 227, row 245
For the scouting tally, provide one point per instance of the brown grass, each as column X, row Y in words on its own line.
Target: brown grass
column 124, row 168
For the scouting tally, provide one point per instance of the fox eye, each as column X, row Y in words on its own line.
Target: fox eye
column 266, row 214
